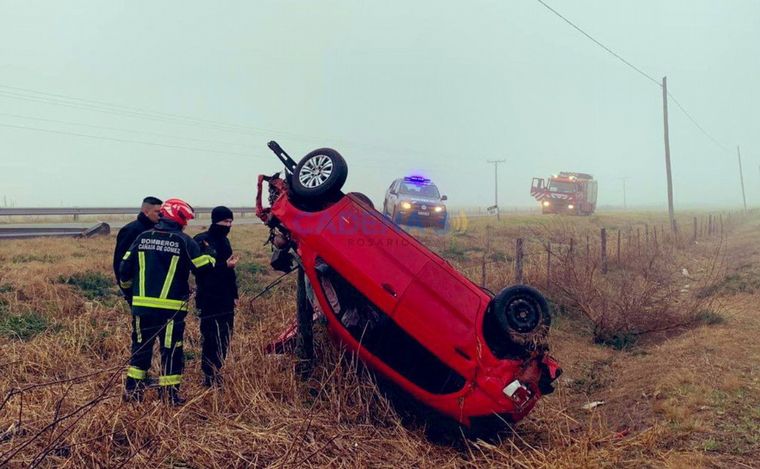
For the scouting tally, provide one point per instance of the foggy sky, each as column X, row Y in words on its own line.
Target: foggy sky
column 428, row 87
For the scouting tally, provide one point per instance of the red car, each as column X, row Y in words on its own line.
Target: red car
column 402, row 309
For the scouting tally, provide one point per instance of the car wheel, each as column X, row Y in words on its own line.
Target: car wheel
column 396, row 217
column 523, row 315
column 320, row 173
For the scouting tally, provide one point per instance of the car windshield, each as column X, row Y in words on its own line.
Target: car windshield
column 559, row 186
column 420, row 190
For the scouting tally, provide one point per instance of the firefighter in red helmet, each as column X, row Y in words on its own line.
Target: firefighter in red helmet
column 156, row 269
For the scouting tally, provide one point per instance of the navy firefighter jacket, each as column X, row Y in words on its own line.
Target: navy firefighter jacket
column 157, row 268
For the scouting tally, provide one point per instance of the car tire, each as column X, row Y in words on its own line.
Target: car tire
column 396, row 217
column 523, row 314
column 321, row 173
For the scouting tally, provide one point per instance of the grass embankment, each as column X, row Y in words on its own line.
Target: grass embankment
column 687, row 396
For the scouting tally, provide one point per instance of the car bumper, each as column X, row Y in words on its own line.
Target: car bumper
column 421, row 217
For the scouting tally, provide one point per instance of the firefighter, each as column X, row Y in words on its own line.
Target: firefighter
column 217, row 296
column 156, row 269
column 146, row 219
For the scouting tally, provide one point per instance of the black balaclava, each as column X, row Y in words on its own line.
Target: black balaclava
column 218, row 214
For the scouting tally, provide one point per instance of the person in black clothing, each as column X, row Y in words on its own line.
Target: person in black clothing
column 156, row 268
column 217, row 295
column 146, row 220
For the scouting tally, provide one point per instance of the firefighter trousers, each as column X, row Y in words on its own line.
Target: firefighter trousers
column 216, row 332
column 168, row 328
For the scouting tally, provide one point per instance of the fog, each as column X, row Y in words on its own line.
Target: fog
column 184, row 95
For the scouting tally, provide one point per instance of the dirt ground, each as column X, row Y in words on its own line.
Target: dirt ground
column 688, row 399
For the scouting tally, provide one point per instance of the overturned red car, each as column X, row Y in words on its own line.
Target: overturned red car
column 404, row 311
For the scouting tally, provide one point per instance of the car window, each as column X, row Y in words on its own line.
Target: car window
column 558, row 186
column 385, row 339
column 421, row 190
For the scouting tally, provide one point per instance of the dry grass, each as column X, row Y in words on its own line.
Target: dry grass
column 685, row 399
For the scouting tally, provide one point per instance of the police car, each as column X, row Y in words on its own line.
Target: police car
column 415, row 200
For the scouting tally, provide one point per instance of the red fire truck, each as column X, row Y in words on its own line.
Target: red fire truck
column 566, row 193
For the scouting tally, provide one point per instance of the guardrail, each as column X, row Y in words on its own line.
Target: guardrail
column 77, row 211
column 46, row 231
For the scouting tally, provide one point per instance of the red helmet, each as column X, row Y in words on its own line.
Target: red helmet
column 177, row 210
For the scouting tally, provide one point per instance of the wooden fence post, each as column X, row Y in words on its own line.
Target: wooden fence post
column 483, row 271
column 604, row 250
column 618, row 247
column 548, row 263
column 519, row 254
column 675, row 232
column 694, row 238
column 486, row 252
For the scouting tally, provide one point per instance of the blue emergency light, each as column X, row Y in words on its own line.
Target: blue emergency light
column 419, row 180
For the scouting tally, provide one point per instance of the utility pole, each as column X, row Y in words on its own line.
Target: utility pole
column 667, row 153
column 625, row 202
column 495, row 164
column 741, row 176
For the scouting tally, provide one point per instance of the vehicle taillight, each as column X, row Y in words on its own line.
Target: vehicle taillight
column 519, row 394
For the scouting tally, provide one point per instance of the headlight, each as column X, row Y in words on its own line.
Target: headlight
column 438, row 209
column 406, row 205
column 546, row 203
column 571, row 206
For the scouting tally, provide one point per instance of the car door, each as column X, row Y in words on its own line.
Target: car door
column 441, row 307
column 376, row 257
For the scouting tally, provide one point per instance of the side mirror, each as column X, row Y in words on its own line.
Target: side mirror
column 443, row 197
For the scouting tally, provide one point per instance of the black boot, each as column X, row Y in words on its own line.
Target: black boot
column 170, row 395
column 134, row 390
column 213, row 381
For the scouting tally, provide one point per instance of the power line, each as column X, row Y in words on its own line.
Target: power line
column 122, row 140
column 615, row 54
column 694, row 121
column 44, row 97
column 116, row 111
column 132, row 109
column 118, row 129
column 639, row 71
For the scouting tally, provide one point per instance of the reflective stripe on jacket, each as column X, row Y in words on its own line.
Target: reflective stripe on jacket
column 157, row 266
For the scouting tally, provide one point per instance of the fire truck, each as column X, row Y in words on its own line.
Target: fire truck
column 566, row 193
